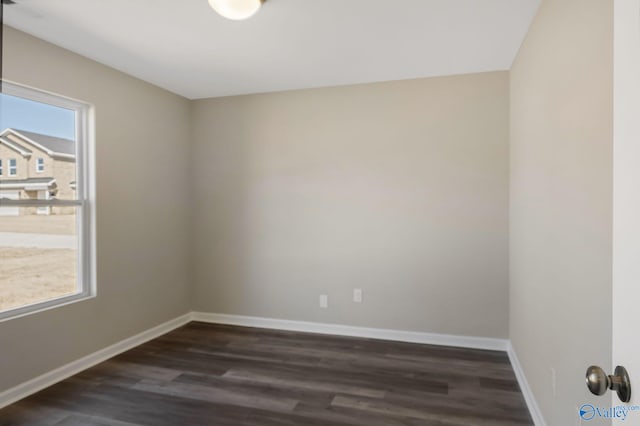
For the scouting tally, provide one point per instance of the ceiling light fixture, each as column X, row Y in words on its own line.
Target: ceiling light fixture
column 236, row 10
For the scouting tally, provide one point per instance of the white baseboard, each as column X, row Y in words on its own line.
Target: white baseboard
column 534, row 409
column 353, row 331
column 32, row 386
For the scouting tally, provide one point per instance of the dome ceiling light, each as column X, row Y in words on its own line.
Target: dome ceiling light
column 236, row 10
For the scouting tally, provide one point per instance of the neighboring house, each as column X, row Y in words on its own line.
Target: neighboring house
column 36, row 166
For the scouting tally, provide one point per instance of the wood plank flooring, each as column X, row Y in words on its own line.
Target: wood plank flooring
column 204, row 374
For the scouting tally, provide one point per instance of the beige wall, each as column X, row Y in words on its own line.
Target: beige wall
column 397, row 188
column 143, row 195
column 561, row 201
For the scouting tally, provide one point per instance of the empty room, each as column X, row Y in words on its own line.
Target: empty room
column 319, row 212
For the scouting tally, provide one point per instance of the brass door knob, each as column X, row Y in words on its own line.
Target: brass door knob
column 598, row 382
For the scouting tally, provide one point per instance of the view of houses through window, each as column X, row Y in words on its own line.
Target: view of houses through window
column 39, row 243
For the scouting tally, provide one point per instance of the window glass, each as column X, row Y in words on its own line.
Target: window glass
column 46, row 232
column 13, row 167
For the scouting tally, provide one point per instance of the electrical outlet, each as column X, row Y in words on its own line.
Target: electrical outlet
column 554, row 382
column 357, row 295
column 324, row 301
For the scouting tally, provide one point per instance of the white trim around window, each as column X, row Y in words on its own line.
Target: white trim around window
column 13, row 167
column 39, row 165
column 84, row 202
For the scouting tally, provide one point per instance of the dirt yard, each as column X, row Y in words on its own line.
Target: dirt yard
column 34, row 224
column 31, row 275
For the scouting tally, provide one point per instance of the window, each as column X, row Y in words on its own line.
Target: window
column 13, row 167
column 51, row 260
column 0, row 167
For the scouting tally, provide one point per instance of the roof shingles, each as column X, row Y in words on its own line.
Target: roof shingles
column 54, row 144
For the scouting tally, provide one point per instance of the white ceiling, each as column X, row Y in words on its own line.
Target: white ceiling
column 185, row 47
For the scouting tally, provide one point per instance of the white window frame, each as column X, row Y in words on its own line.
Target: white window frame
column 39, row 165
column 13, row 169
column 84, row 204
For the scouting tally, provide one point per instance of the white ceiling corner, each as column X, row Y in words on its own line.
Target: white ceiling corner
column 185, row 47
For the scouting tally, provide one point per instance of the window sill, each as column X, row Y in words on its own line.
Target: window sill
column 43, row 306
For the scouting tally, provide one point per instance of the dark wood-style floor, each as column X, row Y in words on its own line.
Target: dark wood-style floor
column 203, row 374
